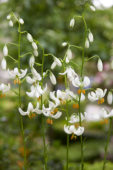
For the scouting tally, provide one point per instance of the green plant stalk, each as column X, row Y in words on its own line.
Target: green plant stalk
column 82, row 67
column 107, row 143
column 67, row 113
column 19, row 94
column 43, row 118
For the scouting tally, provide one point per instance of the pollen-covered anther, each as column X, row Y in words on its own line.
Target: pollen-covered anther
column 79, row 91
column 105, row 121
column 32, row 115
column 17, row 81
column 100, row 101
column 2, row 95
column 39, row 98
column 62, row 101
column 49, row 121
column 75, row 105
column 73, row 137
column 76, row 125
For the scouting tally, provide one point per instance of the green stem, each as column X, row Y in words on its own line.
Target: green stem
column 19, row 91
column 107, row 143
column 43, row 118
column 67, row 113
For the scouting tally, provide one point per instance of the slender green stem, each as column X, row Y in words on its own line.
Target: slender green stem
column 43, row 118
column 67, row 113
column 19, row 91
column 107, row 143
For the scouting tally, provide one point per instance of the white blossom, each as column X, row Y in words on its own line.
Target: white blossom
column 64, row 44
column 4, row 88
column 72, row 130
column 110, row 98
column 15, row 73
column 34, row 45
column 90, row 36
column 100, row 65
column 52, row 78
column 68, row 55
column 8, row 17
column 106, row 114
column 81, row 83
column 29, row 37
column 72, row 22
column 56, row 62
column 76, row 118
column 36, row 77
column 71, row 75
column 5, row 50
column 92, row 8
column 21, row 21
column 3, row 63
column 11, row 23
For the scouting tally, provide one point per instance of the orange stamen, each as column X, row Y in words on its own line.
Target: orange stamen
column 49, row 121
column 83, row 91
column 32, row 115
column 75, row 105
column 79, row 91
column 100, row 101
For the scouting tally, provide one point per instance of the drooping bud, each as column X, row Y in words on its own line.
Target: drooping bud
column 90, row 36
column 11, row 23
column 87, row 43
column 5, row 50
column 68, row 55
column 100, row 65
column 8, row 17
column 72, row 22
column 35, row 52
column 21, row 21
column 52, row 78
column 64, row 44
column 34, row 46
column 29, row 37
column 32, row 61
column 92, row 8
column 109, row 98
column 3, row 64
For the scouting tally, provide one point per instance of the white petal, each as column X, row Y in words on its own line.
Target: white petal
column 34, row 46
column 29, row 37
column 11, row 23
column 52, row 78
column 86, row 81
column 22, row 112
column 72, row 22
column 21, row 21
column 87, row 43
column 3, row 64
column 110, row 98
column 100, row 65
column 5, row 51
column 31, row 61
column 79, row 131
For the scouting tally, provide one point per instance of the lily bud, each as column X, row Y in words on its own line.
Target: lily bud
column 68, row 55
column 90, row 36
column 35, row 53
column 87, row 43
column 8, row 17
column 3, row 64
column 92, row 8
column 64, row 44
column 31, row 61
column 5, row 51
column 34, row 46
column 11, row 23
column 109, row 98
column 21, row 21
column 52, row 78
column 29, row 37
column 100, row 65
column 72, row 22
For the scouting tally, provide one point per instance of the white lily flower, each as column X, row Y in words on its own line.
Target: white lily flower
column 32, row 61
column 51, row 111
column 54, row 98
column 5, row 50
column 3, row 63
column 36, row 91
column 106, row 114
column 71, row 94
column 30, row 110
column 78, row 83
column 100, row 65
column 29, row 37
column 34, row 45
column 92, row 8
column 90, row 36
column 4, row 88
column 16, row 74
column 35, row 52
column 110, row 98
column 97, row 95
column 68, row 55
column 36, row 77
column 72, row 23
column 21, row 21
column 70, row 73
column 56, row 62
column 11, row 23
column 64, row 44
column 76, row 119
column 87, row 43
column 72, row 130
column 52, row 78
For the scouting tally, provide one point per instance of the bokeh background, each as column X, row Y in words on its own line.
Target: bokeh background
column 48, row 22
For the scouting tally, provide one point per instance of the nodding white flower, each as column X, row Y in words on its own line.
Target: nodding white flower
column 71, row 94
column 36, row 77
column 106, row 114
column 35, row 52
column 76, row 118
column 68, row 55
column 73, row 130
column 81, row 83
column 4, row 88
column 32, row 61
column 110, row 98
column 29, row 37
column 90, row 36
column 11, row 23
column 52, row 78
column 64, row 44
column 87, row 43
column 21, row 21
column 70, row 73
column 56, row 62
column 34, row 45
column 5, row 50
column 51, row 111
column 54, row 98
column 30, row 110
column 3, row 64
column 98, row 95
column 100, row 65
column 72, row 22
column 16, row 74
column 8, row 17
column 92, row 8
column 36, row 91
